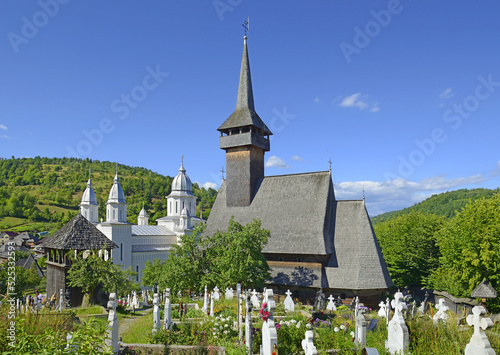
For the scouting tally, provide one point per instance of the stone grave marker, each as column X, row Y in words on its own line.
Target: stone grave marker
column 381, row 311
column 112, row 330
column 479, row 343
column 212, row 304
column 441, row 313
column 167, row 311
column 361, row 325
column 331, row 304
column 205, row 301
column 255, row 300
column 248, row 323
column 398, row 337
column 229, row 293
column 61, row 300
column 156, row 313
column 269, row 335
column 289, row 305
column 308, row 345
column 387, row 310
column 216, row 293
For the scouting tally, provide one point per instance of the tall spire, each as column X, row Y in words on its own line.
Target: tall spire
column 245, row 93
column 245, row 114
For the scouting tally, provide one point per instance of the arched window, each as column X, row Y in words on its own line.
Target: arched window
column 120, row 214
column 137, row 270
column 91, row 215
column 121, row 251
column 175, row 206
column 114, row 215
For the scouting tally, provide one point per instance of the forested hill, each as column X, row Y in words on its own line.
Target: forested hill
column 44, row 193
column 445, row 204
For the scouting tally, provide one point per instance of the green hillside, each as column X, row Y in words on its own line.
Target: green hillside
column 445, row 204
column 39, row 194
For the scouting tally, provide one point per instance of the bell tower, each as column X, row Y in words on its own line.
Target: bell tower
column 245, row 138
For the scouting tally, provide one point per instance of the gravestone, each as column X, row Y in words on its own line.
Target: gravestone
column 387, row 310
column 216, row 293
column 381, row 311
column 319, row 303
column 269, row 335
column 289, row 305
column 128, row 300
column 156, row 313
column 308, row 345
column 112, row 329
column 441, row 313
column 239, row 313
column 135, row 301
column 229, row 293
column 248, row 323
column 424, row 306
column 360, row 331
column 167, row 311
column 255, row 300
column 479, row 343
column 331, row 304
column 212, row 304
column 61, row 300
column 398, row 337
column 205, row 301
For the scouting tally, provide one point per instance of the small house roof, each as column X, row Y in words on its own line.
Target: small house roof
column 78, row 234
column 28, row 263
column 484, row 290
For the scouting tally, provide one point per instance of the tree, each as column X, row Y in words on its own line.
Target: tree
column 91, row 271
column 236, row 256
column 408, row 244
column 222, row 260
column 470, row 248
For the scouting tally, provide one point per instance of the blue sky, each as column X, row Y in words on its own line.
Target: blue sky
column 402, row 96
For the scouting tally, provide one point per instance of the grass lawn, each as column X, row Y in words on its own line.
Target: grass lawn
column 136, row 330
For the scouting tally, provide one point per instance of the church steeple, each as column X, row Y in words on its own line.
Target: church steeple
column 245, row 138
column 89, row 206
column 116, row 207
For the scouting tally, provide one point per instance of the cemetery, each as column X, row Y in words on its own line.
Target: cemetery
column 241, row 321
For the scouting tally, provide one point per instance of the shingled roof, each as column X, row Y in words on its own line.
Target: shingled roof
column 78, row 234
column 484, row 290
column 293, row 207
column 303, row 218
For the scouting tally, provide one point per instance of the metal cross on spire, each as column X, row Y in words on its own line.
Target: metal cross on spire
column 246, row 25
column 116, row 168
column 182, row 159
column 222, row 172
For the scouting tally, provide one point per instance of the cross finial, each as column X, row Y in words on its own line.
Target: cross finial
column 222, row 172
column 182, row 159
column 246, row 26
column 329, row 162
column 116, row 168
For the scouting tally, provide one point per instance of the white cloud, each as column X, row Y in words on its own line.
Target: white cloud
column 4, row 136
column 276, row 162
column 359, row 101
column 3, row 127
column 297, row 158
column 210, row 185
column 390, row 195
column 446, row 94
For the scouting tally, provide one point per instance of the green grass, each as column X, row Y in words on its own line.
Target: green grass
column 88, row 310
column 138, row 329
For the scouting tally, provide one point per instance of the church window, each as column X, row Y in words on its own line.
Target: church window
column 137, row 270
column 170, row 207
column 114, row 216
column 121, row 251
column 182, row 204
column 175, row 206
column 91, row 215
column 85, row 214
column 120, row 214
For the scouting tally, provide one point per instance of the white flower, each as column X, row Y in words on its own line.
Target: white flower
column 342, row 327
column 352, row 334
column 226, row 331
column 336, row 329
column 308, row 326
column 225, row 325
column 293, row 321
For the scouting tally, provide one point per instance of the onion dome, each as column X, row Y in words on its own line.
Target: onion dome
column 116, row 194
column 89, row 197
column 182, row 182
column 143, row 212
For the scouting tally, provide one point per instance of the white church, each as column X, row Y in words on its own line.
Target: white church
column 140, row 243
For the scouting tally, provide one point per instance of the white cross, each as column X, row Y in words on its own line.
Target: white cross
column 331, row 298
column 477, row 321
column 288, row 293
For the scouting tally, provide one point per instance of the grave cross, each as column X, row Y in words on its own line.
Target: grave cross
column 331, row 304
column 477, row 321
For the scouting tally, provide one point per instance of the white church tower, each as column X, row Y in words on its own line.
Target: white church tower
column 88, row 206
column 181, row 205
column 143, row 219
column 116, row 226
